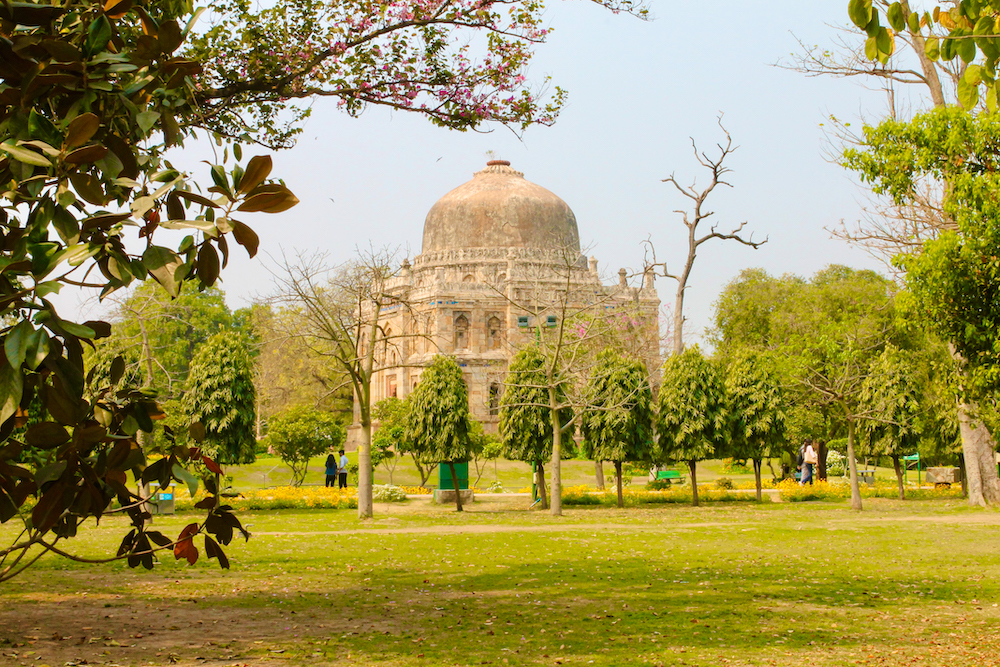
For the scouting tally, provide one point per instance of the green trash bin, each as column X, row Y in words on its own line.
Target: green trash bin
column 444, row 475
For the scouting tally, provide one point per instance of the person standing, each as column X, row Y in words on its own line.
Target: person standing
column 331, row 469
column 809, row 460
column 342, row 470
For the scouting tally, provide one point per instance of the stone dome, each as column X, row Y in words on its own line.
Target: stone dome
column 498, row 208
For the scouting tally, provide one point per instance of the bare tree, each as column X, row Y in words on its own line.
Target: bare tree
column 692, row 219
column 342, row 318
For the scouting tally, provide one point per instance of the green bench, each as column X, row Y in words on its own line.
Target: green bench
column 669, row 476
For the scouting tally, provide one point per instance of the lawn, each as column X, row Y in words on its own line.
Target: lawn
column 902, row 583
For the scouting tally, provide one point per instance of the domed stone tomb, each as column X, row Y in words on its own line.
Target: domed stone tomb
column 499, row 208
column 499, row 268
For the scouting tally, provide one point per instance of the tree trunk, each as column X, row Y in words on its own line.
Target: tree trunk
column 694, row 482
column 980, row 465
column 599, row 474
column 852, row 464
column 540, row 483
column 454, row 485
column 899, row 476
column 555, row 506
column 618, row 473
column 965, row 478
column 365, row 505
column 821, row 464
column 679, row 319
column 757, row 465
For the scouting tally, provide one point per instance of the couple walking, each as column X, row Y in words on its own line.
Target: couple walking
column 336, row 469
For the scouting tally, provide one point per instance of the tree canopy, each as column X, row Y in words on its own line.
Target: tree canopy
column 302, row 432
column 617, row 423
column 438, row 421
column 693, row 413
column 220, row 395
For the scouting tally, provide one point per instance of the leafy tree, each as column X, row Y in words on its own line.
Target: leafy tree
column 952, row 278
column 302, row 432
column 525, row 424
column 392, row 415
column 438, row 422
column 81, row 163
column 220, row 395
column 617, row 424
column 757, row 404
column 893, row 423
column 164, row 333
column 693, row 412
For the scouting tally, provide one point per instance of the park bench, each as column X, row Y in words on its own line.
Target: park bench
column 669, row 476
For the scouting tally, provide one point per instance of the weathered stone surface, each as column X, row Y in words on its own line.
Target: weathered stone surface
column 447, row 496
column 499, row 208
column 944, row 475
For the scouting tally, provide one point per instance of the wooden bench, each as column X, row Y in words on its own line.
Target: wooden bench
column 669, row 476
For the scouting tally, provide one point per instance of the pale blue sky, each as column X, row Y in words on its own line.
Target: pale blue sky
column 637, row 92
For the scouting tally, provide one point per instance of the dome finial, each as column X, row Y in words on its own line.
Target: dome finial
column 494, row 163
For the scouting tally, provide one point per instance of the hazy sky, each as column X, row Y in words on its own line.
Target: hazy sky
column 638, row 91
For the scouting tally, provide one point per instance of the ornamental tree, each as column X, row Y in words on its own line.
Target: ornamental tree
column 460, row 63
column 525, row 424
column 93, row 94
column 438, row 422
column 617, row 423
column 757, row 408
column 302, row 432
column 220, row 395
column 693, row 412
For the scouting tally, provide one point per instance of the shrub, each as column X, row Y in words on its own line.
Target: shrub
column 724, row 483
column 657, row 484
column 386, row 493
column 735, row 467
column 836, row 463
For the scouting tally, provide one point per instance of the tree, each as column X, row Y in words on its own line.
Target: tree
column 262, row 63
column 693, row 417
column 302, row 432
column 220, row 395
column 951, row 278
column 488, row 448
column 341, row 315
column 891, row 400
column 718, row 170
column 81, row 163
column 617, row 424
column 526, row 427
column 438, row 423
column 392, row 415
column 757, row 404
column 166, row 332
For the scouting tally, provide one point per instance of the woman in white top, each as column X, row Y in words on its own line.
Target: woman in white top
column 810, row 459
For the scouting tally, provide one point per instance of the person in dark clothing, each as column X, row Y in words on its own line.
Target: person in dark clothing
column 331, row 469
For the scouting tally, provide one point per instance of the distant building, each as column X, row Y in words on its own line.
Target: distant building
column 497, row 253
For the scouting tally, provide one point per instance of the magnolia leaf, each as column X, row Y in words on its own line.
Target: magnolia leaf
column 257, row 170
column 275, row 199
column 11, row 386
column 46, row 435
column 246, row 237
column 968, row 94
column 182, row 474
column 163, row 263
column 208, row 264
column 24, row 155
column 87, row 154
column 17, row 341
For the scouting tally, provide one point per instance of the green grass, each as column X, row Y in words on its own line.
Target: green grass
column 513, row 475
column 744, row 584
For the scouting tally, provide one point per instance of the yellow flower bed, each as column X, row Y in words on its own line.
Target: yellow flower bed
column 791, row 491
column 586, row 495
column 282, row 497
